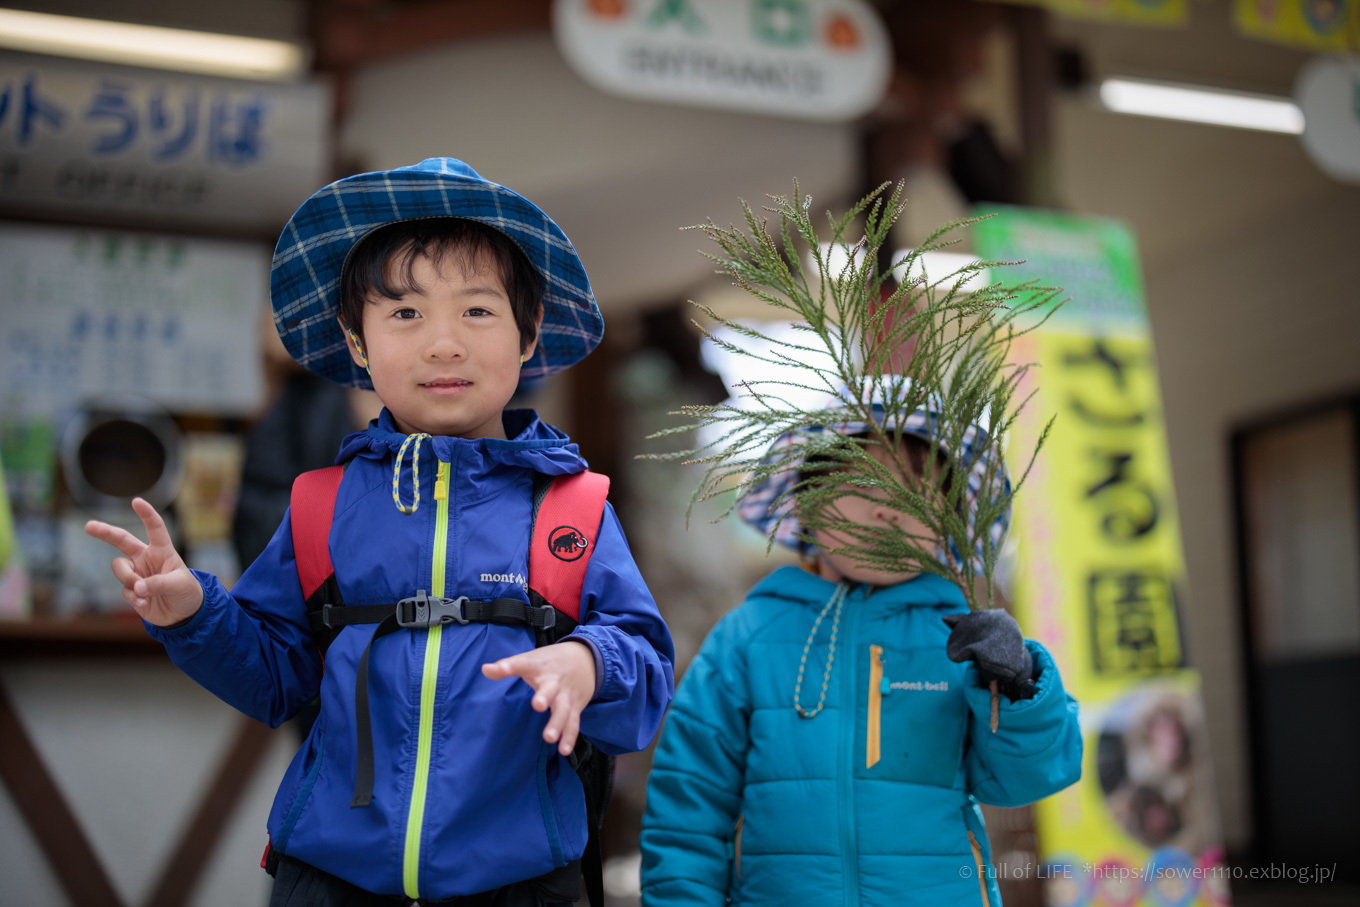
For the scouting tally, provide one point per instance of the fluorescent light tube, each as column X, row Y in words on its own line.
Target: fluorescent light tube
column 147, row 45
column 1201, row 105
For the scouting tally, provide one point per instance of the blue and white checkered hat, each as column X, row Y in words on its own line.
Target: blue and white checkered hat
column 305, row 281
column 769, row 505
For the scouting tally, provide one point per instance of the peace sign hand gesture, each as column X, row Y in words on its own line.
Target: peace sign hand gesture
column 155, row 581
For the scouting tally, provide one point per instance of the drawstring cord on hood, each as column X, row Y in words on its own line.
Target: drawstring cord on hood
column 415, row 473
column 834, row 603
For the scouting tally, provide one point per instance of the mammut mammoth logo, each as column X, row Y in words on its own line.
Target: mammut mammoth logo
column 567, row 543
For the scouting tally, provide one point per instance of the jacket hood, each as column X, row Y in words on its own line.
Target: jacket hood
column 532, row 444
column 799, row 586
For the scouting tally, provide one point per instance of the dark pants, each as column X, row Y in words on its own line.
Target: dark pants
column 297, row 884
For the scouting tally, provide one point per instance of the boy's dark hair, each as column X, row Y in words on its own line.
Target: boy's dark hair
column 471, row 243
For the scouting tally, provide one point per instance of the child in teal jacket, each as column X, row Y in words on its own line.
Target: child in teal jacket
column 831, row 740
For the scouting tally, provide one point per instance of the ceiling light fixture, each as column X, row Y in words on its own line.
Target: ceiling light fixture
column 147, row 45
column 1201, row 105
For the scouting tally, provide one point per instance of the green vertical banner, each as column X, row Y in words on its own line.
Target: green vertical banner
column 1100, row 577
column 6, row 523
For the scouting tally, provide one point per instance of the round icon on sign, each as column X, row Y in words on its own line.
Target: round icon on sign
column 1117, row 884
column 1066, row 881
column 841, row 33
column 1172, row 881
column 1325, row 17
column 567, row 543
column 608, row 9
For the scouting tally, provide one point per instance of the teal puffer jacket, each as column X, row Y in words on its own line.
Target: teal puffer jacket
column 873, row 801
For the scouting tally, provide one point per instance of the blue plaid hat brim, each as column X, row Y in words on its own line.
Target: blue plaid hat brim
column 769, row 505
column 304, row 283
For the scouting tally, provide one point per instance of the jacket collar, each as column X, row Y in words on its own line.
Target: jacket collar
column 532, row 444
column 799, row 585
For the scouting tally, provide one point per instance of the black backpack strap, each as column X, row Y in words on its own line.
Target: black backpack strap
column 363, row 726
column 596, row 771
column 421, row 611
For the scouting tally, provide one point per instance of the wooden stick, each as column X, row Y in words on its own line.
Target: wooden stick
column 996, row 705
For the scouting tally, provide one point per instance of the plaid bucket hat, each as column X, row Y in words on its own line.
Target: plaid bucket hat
column 769, row 505
column 304, row 282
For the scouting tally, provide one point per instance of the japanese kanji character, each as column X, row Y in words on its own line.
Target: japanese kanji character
column 1124, row 520
column 234, row 130
column 1101, row 354
column 162, row 125
column 1133, row 621
column 111, row 103
column 33, row 110
column 677, row 11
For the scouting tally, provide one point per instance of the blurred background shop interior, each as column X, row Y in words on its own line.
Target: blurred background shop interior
column 145, row 175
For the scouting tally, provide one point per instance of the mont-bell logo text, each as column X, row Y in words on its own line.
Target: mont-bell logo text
column 517, row 578
column 939, row 686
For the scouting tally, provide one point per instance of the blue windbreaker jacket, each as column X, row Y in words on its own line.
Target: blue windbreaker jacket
column 467, row 796
column 873, row 801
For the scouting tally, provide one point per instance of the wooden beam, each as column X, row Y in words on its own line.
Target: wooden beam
column 45, row 637
column 350, row 37
column 47, row 813
column 1035, row 84
column 186, row 864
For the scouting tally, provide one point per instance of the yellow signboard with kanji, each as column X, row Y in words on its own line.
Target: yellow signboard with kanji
column 1131, row 12
column 1325, row 25
column 1100, row 578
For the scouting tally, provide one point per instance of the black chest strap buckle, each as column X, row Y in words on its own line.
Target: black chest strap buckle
column 421, row 610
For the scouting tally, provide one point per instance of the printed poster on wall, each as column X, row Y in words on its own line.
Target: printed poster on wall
column 1101, row 580
column 86, row 314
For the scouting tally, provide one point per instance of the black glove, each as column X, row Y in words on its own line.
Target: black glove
column 991, row 638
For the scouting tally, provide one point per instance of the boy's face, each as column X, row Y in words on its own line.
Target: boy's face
column 871, row 511
column 445, row 358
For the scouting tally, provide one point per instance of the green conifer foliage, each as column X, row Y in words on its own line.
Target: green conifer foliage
column 848, row 325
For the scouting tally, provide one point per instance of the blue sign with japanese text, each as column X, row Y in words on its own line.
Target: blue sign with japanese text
column 131, row 145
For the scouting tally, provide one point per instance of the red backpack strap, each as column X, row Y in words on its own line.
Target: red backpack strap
column 565, row 528
column 312, row 510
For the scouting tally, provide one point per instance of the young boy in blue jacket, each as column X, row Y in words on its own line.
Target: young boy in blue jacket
column 831, row 740
column 441, row 291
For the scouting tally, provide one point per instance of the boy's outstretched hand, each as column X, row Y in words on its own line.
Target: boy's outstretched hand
column 155, row 581
column 563, row 679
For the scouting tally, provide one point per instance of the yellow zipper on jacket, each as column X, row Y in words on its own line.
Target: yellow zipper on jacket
column 736, row 845
column 872, row 756
column 981, row 868
column 415, row 817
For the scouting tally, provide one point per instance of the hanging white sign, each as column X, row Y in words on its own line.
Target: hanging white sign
column 134, row 146
column 1328, row 92
column 808, row 59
